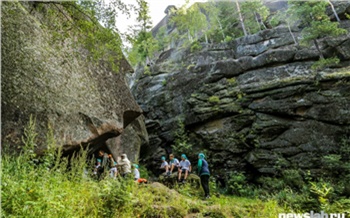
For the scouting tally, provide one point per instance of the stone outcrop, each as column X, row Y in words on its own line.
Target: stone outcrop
column 84, row 101
column 252, row 104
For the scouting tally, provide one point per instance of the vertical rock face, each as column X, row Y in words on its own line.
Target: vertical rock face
column 84, row 101
column 134, row 135
column 252, row 104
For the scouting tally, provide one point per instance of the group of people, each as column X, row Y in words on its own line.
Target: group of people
column 184, row 168
column 106, row 163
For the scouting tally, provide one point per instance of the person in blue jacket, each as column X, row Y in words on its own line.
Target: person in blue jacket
column 204, row 173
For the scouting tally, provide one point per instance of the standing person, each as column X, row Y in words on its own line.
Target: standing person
column 102, row 164
column 204, row 173
column 174, row 162
column 164, row 165
column 185, row 167
column 125, row 166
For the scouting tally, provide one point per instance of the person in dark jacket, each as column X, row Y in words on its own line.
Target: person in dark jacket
column 204, row 173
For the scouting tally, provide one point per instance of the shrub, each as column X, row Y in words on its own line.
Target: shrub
column 196, row 46
column 324, row 63
column 293, row 179
column 232, row 81
column 237, row 185
column 182, row 144
column 164, row 82
column 214, row 99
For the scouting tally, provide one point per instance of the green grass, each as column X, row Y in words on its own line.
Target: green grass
column 30, row 190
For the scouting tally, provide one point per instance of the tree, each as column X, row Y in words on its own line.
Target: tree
column 92, row 24
column 215, row 28
column 162, row 39
column 140, row 36
column 254, row 13
column 190, row 21
column 284, row 17
column 314, row 20
column 241, row 18
column 334, row 11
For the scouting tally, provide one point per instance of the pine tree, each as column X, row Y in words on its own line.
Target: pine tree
column 190, row 21
column 241, row 18
column 314, row 21
column 141, row 39
column 334, row 11
column 162, row 39
column 254, row 13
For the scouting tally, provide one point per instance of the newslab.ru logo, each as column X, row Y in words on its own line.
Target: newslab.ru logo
column 312, row 215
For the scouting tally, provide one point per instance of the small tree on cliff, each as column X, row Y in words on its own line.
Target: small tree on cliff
column 314, row 21
column 254, row 12
column 140, row 36
column 190, row 22
column 182, row 144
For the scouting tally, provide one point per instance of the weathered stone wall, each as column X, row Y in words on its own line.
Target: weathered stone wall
column 252, row 104
column 46, row 73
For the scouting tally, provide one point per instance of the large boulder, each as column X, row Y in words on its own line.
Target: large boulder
column 84, row 101
column 253, row 104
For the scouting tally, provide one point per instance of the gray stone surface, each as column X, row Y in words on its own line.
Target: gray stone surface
column 84, row 101
column 251, row 104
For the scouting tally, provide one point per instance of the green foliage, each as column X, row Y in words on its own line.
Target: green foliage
column 147, row 71
column 196, row 46
column 271, row 184
column 232, row 81
column 102, row 42
column 29, row 139
column 228, row 39
column 182, row 144
column 162, row 39
column 144, row 45
column 336, row 166
column 323, row 191
column 237, row 185
column 40, row 190
column 214, row 99
column 324, row 63
column 190, row 21
column 314, row 21
column 293, row 179
column 347, row 15
column 253, row 11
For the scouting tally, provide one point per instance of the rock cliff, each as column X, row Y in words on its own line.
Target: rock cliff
column 253, row 104
column 47, row 73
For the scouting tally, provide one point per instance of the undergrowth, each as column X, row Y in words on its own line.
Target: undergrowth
column 55, row 186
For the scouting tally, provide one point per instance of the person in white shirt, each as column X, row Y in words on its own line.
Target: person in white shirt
column 164, row 165
column 173, row 163
column 185, row 167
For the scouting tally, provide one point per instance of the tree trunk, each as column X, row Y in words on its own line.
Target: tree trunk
column 291, row 33
column 318, row 49
column 241, row 18
column 259, row 21
column 222, row 30
column 333, row 9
